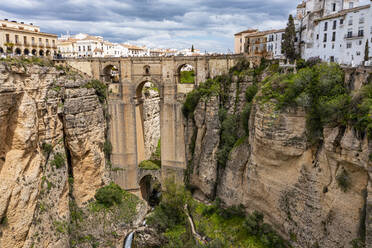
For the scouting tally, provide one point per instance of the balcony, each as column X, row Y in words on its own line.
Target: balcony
column 350, row 37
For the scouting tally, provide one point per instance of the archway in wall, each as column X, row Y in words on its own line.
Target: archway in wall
column 18, row 51
column 111, row 74
column 150, row 190
column 148, row 125
column 1, row 50
column 41, row 53
column 186, row 74
column 47, row 53
column 26, row 52
column 34, row 52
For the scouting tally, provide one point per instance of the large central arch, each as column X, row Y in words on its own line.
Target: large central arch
column 125, row 113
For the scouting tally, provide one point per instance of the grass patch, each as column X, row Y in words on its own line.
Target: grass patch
column 47, row 148
column 150, row 165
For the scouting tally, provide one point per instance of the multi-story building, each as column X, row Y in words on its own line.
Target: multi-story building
column 341, row 37
column 333, row 30
column 26, row 39
column 240, row 39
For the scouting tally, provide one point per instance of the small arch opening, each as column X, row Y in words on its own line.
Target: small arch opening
column 47, row 53
column 1, row 50
column 34, row 52
column 147, row 69
column 26, row 52
column 150, row 190
column 41, row 53
column 111, row 74
column 18, row 51
column 186, row 74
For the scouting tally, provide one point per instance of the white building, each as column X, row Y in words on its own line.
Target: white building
column 340, row 37
column 274, row 44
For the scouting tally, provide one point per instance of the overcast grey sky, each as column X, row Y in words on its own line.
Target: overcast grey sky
column 208, row 24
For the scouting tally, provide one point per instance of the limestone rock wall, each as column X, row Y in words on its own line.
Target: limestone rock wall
column 277, row 172
column 151, row 121
column 51, row 139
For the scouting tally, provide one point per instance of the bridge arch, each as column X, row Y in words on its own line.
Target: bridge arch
column 111, row 73
column 148, row 123
column 150, row 187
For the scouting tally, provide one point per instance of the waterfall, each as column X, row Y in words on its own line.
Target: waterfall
column 128, row 240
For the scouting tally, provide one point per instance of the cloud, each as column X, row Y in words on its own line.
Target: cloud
column 208, row 24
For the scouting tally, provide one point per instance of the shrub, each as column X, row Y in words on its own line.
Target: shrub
column 150, row 165
column 343, row 180
column 47, row 148
column 58, row 160
column 229, row 125
column 100, row 88
column 251, row 92
column 109, row 195
column 107, row 149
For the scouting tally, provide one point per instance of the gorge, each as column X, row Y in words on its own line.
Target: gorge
column 249, row 138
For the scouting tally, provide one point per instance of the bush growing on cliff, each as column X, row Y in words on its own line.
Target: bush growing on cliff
column 107, row 149
column 58, row 161
column 47, row 148
column 109, row 195
column 343, row 180
column 101, row 89
column 229, row 125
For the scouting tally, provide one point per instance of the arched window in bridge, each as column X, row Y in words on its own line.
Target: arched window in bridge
column 186, row 74
column 147, row 69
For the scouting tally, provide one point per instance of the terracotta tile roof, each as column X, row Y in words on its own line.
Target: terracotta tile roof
column 247, row 31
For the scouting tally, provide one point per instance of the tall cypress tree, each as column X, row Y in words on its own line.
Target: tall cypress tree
column 288, row 43
column 192, row 48
column 366, row 52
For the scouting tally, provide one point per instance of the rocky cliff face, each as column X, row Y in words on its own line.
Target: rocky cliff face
column 151, row 119
column 276, row 171
column 52, row 131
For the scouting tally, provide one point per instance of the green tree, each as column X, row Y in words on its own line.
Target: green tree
column 192, row 48
column 288, row 43
column 366, row 52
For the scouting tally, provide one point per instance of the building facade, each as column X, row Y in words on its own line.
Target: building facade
column 26, row 39
column 333, row 30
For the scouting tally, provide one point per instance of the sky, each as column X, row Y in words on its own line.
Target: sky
column 209, row 25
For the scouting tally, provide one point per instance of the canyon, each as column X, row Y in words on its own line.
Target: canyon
column 55, row 127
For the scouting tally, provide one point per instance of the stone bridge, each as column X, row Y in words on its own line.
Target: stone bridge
column 126, row 77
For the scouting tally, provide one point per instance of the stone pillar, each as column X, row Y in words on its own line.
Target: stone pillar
column 173, row 156
column 124, row 139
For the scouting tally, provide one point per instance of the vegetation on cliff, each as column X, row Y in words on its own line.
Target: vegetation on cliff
column 220, row 227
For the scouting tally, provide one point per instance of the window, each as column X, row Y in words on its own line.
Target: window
column 360, row 43
column 325, row 26
column 333, row 7
column 7, row 38
column 39, row 40
column 25, row 40
column 325, row 38
column 351, row 5
column 348, row 45
column 350, row 21
column 79, row 49
column 334, row 24
column 16, row 39
column 341, row 21
column 33, row 40
column 317, row 36
column 360, row 32
column 334, row 36
column 349, row 34
column 332, row 59
column 47, row 41
column 358, row 53
column 361, row 20
column 324, row 45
